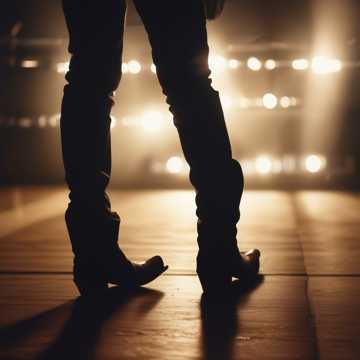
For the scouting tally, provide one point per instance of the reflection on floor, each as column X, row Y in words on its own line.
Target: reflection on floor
column 304, row 307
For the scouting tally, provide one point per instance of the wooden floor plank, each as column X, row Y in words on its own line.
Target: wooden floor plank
column 329, row 225
column 166, row 321
column 306, row 308
column 335, row 302
column 33, row 235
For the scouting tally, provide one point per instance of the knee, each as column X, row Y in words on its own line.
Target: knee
column 226, row 175
column 184, row 79
column 95, row 72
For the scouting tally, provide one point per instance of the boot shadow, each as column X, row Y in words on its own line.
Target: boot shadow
column 79, row 337
column 80, row 331
column 219, row 322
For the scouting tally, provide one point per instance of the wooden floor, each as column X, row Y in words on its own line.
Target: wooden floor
column 305, row 307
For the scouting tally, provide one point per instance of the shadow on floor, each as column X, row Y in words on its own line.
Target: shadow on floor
column 219, row 320
column 80, row 331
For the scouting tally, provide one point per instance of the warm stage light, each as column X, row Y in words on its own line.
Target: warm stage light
column 152, row 121
column 54, row 120
column 42, row 121
column 325, row 65
column 285, row 102
column 263, row 164
column 226, row 101
column 134, row 67
column 294, row 101
column 113, row 122
column 217, row 63
column 300, row 64
column 269, row 101
column 124, row 68
column 233, row 63
column 314, row 163
column 153, row 68
column 270, row 64
column 174, row 165
column 28, row 64
column 254, row 64
column 62, row 67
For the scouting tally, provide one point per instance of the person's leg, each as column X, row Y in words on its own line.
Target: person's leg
column 177, row 32
column 96, row 41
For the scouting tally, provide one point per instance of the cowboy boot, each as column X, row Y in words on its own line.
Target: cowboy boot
column 219, row 258
column 98, row 259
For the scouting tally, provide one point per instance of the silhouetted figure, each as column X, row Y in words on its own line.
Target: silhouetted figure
column 178, row 37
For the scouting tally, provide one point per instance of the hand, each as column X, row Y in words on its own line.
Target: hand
column 213, row 8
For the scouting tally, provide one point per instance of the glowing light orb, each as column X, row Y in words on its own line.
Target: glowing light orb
column 254, row 64
column 263, row 164
column 62, row 67
column 269, row 101
column 134, row 67
column 226, row 101
column 314, row 163
column 300, row 64
column 124, row 68
column 324, row 65
column 233, row 63
column 28, row 64
column 174, row 165
column 152, row 121
column 270, row 64
column 285, row 102
column 217, row 63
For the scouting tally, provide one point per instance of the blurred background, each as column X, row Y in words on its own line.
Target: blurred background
column 288, row 74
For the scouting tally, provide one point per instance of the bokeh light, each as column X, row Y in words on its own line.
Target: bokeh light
column 175, row 165
column 270, row 101
column 263, row 164
column 254, row 64
column 314, row 163
column 152, row 121
column 325, row 65
column 285, row 102
column 134, row 67
column 233, row 64
column 29, row 64
column 124, row 68
column 270, row 64
column 217, row 63
column 300, row 64
column 62, row 67
column 113, row 122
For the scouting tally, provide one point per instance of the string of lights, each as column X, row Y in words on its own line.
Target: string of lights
column 319, row 64
column 261, row 165
column 152, row 120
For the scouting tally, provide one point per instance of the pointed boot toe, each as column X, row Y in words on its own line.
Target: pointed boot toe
column 149, row 270
column 247, row 264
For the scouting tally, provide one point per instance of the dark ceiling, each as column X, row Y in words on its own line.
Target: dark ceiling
column 243, row 21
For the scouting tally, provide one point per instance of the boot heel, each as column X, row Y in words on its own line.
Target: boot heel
column 88, row 278
column 218, row 284
column 90, row 288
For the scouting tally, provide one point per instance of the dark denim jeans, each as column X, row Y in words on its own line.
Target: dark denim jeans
column 178, row 37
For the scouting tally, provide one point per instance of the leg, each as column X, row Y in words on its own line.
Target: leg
column 177, row 32
column 96, row 33
column 96, row 40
